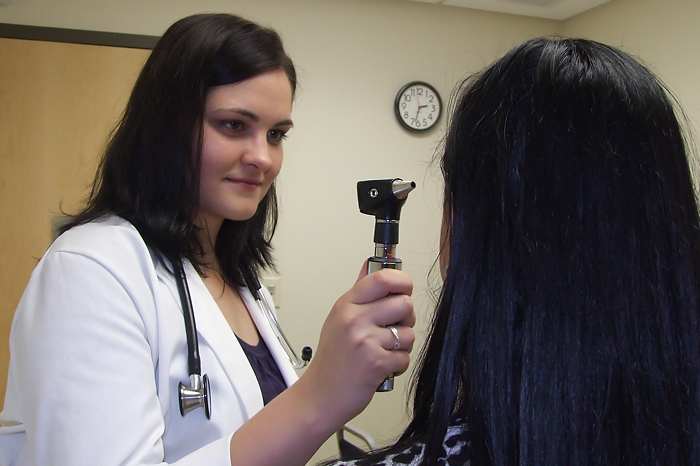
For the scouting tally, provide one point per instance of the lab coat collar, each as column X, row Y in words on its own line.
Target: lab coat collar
column 269, row 336
column 214, row 331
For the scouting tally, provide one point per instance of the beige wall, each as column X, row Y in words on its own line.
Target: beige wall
column 352, row 57
column 662, row 33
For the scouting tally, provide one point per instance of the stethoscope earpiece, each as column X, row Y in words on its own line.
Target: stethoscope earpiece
column 196, row 395
column 306, row 353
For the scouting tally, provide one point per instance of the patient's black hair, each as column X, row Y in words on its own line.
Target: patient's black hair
column 567, row 328
column 566, row 332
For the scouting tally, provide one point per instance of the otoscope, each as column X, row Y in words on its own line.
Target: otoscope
column 384, row 199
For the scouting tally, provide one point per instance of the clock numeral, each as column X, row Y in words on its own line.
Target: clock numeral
column 403, row 105
column 407, row 97
column 430, row 98
column 405, row 115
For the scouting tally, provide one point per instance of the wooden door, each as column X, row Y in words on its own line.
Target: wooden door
column 58, row 103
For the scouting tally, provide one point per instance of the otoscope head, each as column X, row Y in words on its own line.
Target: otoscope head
column 384, row 199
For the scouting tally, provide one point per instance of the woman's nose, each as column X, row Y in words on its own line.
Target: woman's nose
column 258, row 153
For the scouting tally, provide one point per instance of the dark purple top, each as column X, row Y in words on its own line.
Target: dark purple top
column 268, row 374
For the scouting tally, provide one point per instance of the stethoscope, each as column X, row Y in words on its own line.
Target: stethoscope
column 198, row 393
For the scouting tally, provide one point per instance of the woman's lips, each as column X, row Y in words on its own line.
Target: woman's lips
column 244, row 182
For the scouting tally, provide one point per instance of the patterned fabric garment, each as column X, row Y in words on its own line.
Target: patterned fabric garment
column 455, row 452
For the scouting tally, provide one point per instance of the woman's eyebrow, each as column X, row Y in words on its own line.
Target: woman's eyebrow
column 285, row 123
column 253, row 116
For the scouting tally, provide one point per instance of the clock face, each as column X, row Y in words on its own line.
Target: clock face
column 418, row 106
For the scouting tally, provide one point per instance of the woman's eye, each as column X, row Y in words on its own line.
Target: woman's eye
column 233, row 125
column 276, row 136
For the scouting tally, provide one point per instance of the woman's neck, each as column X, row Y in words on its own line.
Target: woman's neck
column 208, row 231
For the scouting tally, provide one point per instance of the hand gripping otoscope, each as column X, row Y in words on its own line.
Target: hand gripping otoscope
column 384, row 199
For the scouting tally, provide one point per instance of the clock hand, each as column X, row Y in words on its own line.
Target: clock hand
column 418, row 111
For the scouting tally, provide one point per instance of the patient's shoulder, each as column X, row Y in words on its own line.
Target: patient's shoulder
column 456, row 451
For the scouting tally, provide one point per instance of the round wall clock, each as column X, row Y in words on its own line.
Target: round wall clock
column 418, row 106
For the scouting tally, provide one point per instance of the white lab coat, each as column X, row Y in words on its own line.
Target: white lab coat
column 98, row 349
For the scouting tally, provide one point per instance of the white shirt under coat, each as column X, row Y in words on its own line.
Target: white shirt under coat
column 97, row 351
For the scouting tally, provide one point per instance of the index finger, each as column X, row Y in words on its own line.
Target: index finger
column 380, row 284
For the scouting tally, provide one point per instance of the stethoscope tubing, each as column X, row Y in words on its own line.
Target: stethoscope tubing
column 266, row 308
column 198, row 393
column 194, row 365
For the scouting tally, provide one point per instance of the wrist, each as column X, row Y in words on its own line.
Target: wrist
column 320, row 412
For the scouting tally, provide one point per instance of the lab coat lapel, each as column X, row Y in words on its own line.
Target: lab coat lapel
column 214, row 332
column 269, row 336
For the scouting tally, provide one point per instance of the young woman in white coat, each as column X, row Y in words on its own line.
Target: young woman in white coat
column 98, row 344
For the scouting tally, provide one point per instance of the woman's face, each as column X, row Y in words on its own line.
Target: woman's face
column 244, row 126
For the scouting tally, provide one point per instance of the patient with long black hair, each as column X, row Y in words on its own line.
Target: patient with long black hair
column 566, row 331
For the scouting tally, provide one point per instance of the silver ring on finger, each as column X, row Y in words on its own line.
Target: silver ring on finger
column 397, row 343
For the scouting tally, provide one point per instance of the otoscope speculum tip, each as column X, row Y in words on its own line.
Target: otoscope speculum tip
column 401, row 188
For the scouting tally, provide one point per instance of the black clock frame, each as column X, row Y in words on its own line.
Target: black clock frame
column 397, row 111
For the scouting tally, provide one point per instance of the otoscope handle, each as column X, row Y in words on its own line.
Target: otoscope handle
column 375, row 263
column 383, row 199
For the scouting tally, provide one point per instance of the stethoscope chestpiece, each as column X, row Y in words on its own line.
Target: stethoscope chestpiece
column 196, row 395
